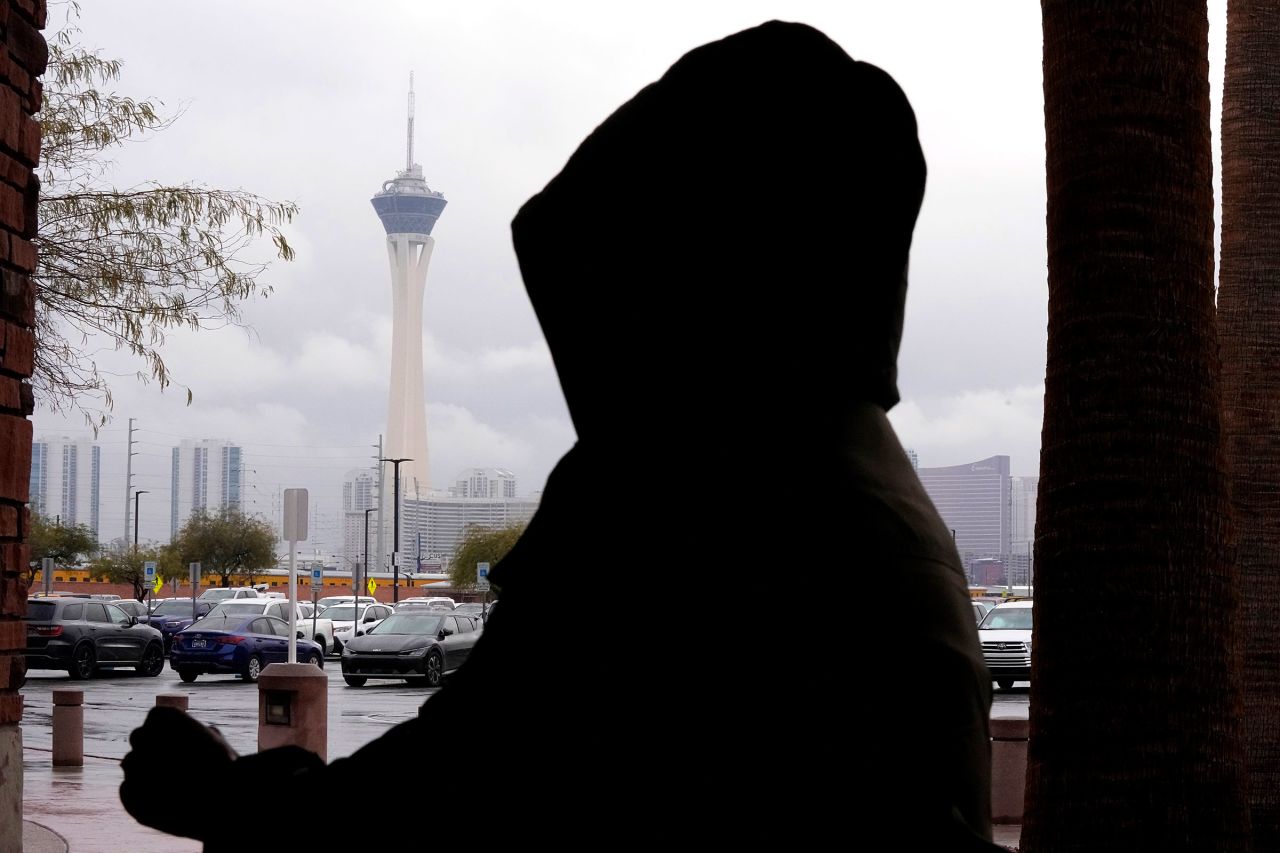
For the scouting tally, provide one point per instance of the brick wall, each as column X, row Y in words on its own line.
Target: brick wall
column 22, row 60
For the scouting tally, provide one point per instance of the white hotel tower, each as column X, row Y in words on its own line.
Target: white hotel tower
column 408, row 209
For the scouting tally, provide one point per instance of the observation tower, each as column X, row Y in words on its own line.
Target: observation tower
column 408, row 209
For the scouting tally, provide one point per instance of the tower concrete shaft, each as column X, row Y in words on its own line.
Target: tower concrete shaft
column 409, row 255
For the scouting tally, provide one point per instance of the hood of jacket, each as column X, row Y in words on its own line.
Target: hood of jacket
column 732, row 238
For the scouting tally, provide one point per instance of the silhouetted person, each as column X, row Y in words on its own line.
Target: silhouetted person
column 720, row 271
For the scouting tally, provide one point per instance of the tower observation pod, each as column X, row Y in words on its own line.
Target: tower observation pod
column 408, row 209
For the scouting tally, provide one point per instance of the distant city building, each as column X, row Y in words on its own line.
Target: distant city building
column 433, row 527
column 914, row 457
column 974, row 501
column 1023, row 496
column 484, row 483
column 205, row 475
column 65, row 480
column 359, row 492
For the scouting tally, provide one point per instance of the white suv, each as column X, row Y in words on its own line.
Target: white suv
column 1005, row 634
column 354, row 620
column 279, row 608
column 426, row 601
column 227, row 593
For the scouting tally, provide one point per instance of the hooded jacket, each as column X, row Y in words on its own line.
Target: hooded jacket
column 720, row 271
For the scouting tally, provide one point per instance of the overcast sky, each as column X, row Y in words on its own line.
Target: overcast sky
column 306, row 101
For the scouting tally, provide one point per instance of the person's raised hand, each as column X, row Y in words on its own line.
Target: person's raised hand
column 170, row 738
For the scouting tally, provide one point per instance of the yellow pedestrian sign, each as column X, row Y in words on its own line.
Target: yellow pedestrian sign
column 373, row 585
column 159, row 585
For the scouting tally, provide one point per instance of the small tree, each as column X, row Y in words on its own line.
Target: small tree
column 227, row 543
column 169, row 565
column 64, row 543
column 124, row 565
column 127, row 264
column 481, row 545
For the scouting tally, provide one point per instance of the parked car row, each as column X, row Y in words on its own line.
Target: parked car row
column 423, row 639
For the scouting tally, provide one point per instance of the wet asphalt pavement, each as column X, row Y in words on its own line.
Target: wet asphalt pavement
column 81, row 803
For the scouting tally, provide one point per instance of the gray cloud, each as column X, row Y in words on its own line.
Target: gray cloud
column 305, row 101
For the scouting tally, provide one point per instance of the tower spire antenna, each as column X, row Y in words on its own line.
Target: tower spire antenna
column 408, row 160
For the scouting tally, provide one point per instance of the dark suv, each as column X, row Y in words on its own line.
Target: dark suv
column 171, row 615
column 83, row 636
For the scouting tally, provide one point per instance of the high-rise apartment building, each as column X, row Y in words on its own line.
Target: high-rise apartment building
column 1023, row 496
column 205, row 475
column 484, row 483
column 65, row 480
column 359, row 493
column 359, row 490
column 431, row 525
column 974, row 500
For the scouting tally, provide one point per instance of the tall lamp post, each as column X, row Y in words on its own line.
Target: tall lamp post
column 395, row 542
column 365, row 579
column 1030, row 570
column 135, row 517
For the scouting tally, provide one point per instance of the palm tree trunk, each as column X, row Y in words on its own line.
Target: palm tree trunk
column 1249, row 332
column 1135, row 703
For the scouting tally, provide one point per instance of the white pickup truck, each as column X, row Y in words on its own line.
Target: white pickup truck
column 319, row 629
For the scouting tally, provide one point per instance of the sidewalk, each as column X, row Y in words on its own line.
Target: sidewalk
column 41, row 839
column 78, row 809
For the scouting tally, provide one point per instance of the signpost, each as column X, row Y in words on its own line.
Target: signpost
column 317, row 582
column 194, row 569
column 46, row 574
column 149, row 579
column 482, row 584
column 295, row 531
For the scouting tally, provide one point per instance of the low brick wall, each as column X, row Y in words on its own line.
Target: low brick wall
column 125, row 590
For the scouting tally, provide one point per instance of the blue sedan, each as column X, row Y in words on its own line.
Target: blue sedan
column 236, row 643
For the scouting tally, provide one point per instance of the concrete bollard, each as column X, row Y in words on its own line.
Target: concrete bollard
column 68, row 728
column 293, row 708
column 1009, row 737
column 172, row 700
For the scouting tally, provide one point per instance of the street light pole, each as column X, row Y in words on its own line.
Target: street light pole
column 395, row 542
column 365, row 579
column 135, row 517
column 1030, row 552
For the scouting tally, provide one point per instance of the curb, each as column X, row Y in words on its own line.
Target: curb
column 38, row 838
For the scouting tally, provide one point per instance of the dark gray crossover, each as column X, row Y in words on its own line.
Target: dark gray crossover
column 419, row 644
column 84, row 636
